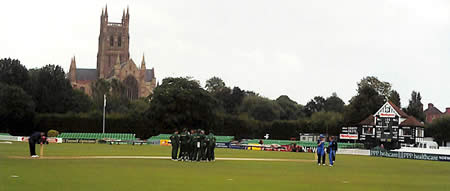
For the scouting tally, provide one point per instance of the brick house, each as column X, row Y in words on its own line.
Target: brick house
column 432, row 113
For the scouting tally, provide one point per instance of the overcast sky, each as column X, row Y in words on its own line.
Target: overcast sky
column 299, row 48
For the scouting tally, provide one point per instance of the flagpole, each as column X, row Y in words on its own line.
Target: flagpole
column 104, row 107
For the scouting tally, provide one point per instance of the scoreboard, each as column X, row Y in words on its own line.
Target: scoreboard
column 386, row 122
column 349, row 133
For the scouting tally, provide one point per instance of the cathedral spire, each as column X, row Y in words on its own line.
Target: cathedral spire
column 73, row 63
column 143, row 63
column 128, row 12
column 106, row 10
column 72, row 70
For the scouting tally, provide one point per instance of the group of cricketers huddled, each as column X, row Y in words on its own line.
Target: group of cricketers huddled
column 193, row 146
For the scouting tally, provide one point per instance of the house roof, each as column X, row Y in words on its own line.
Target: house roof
column 398, row 110
column 83, row 74
column 411, row 121
column 370, row 120
column 432, row 110
column 150, row 74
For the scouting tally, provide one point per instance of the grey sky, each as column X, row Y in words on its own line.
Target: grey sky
column 300, row 48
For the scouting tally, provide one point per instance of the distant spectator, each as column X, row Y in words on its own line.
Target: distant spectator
column 261, row 142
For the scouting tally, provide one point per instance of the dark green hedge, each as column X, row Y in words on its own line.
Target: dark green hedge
column 92, row 123
column 242, row 127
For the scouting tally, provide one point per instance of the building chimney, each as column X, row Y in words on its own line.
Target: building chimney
column 430, row 105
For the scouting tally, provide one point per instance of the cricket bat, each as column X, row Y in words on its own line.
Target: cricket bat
column 42, row 150
column 315, row 155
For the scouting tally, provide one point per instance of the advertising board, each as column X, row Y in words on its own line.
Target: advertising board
column 408, row 155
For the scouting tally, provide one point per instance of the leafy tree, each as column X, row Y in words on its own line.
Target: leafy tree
column 326, row 122
column 181, row 102
column 394, row 97
column 415, row 107
column 117, row 100
column 14, row 73
column 383, row 88
column 79, row 102
column 100, row 88
column 300, row 114
column 16, row 110
column 116, row 96
column 251, row 93
column 440, row 130
column 51, row 90
column 214, row 84
column 118, row 89
column 265, row 111
column 223, row 96
column 139, row 106
column 228, row 99
column 283, row 129
column 289, row 108
column 334, row 103
column 235, row 100
column 366, row 103
column 315, row 105
column 260, row 108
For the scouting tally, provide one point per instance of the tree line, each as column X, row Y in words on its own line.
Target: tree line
column 43, row 99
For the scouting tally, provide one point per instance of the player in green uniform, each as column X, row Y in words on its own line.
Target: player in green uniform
column 211, row 146
column 191, row 145
column 184, row 140
column 196, row 137
column 206, row 147
column 175, row 142
column 202, row 145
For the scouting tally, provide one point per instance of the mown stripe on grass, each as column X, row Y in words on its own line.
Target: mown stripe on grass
column 154, row 157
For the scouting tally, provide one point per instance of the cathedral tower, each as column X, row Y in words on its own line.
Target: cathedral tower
column 113, row 41
column 114, row 62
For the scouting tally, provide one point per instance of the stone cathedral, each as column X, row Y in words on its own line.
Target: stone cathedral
column 114, row 62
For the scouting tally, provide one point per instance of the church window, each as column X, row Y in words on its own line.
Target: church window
column 111, row 41
column 119, row 41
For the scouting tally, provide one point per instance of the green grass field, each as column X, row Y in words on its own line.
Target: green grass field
column 349, row 173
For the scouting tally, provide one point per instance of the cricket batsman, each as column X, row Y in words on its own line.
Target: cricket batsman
column 35, row 138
